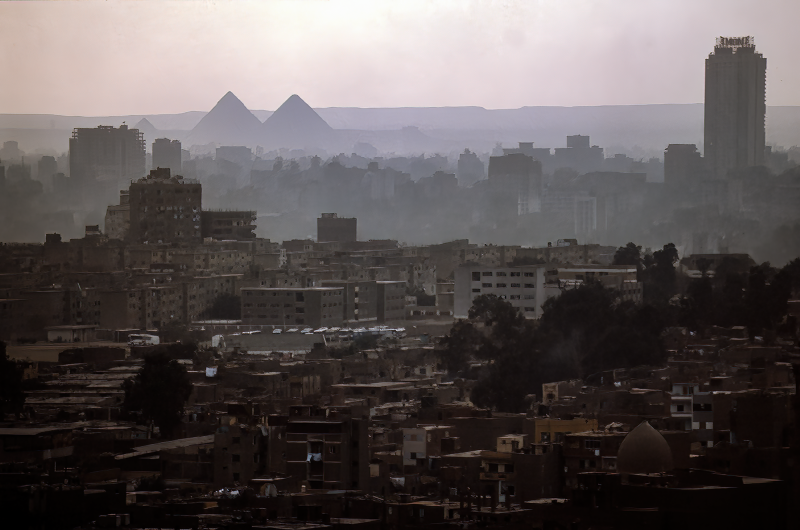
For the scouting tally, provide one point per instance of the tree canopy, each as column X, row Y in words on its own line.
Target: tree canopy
column 11, row 393
column 159, row 391
column 630, row 254
column 226, row 306
column 588, row 330
column 581, row 332
column 756, row 297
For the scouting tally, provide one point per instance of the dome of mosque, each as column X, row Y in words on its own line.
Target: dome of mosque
column 644, row 450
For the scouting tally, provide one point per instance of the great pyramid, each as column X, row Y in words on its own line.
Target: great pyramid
column 296, row 125
column 228, row 123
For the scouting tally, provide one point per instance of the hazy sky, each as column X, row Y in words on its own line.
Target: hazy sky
column 111, row 58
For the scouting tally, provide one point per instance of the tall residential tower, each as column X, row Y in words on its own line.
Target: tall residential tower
column 107, row 154
column 735, row 106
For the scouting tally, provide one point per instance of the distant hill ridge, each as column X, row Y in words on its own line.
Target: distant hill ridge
column 296, row 124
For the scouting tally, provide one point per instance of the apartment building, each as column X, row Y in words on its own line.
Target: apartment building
column 522, row 287
column 311, row 306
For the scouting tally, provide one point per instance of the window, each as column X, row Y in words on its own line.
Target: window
column 500, row 285
column 413, row 456
column 486, row 285
column 493, row 468
column 514, row 297
column 476, row 276
column 514, row 285
column 529, row 275
column 501, row 274
column 513, row 274
column 591, row 444
column 486, row 273
column 235, row 458
column 530, row 286
column 679, row 408
column 476, row 290
column 508, row 468
column 236, row 477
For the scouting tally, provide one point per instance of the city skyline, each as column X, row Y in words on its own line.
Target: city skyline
column 178, row 57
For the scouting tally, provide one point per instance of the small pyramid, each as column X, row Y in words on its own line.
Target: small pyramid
column 228, row 123
column 296, row 125
column 144, row 126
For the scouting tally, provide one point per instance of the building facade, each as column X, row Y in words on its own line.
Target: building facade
column 519, row 178
column 522, row 287
column 360, row 300
column 107, row 154
column 167, row 153
column 228, row 224
column 165, row 209
column 331, row 227
column 391, row 301
column 683, row 165
column 118, row 217
column 327, row 450
column 735, row 106
column 311, row 306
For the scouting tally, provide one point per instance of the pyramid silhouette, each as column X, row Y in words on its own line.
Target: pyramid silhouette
column 144, row 126
column 295, row 125
column 228, row 123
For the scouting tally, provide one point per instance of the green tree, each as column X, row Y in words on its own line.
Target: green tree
column 176, row 331
column 581, row 332
column 630, row 254
column 12, row 397
column 659, row 277
column 697, row 307
column 159, row 392
column 460, row 345
column 495, row 313
column 226, row 306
